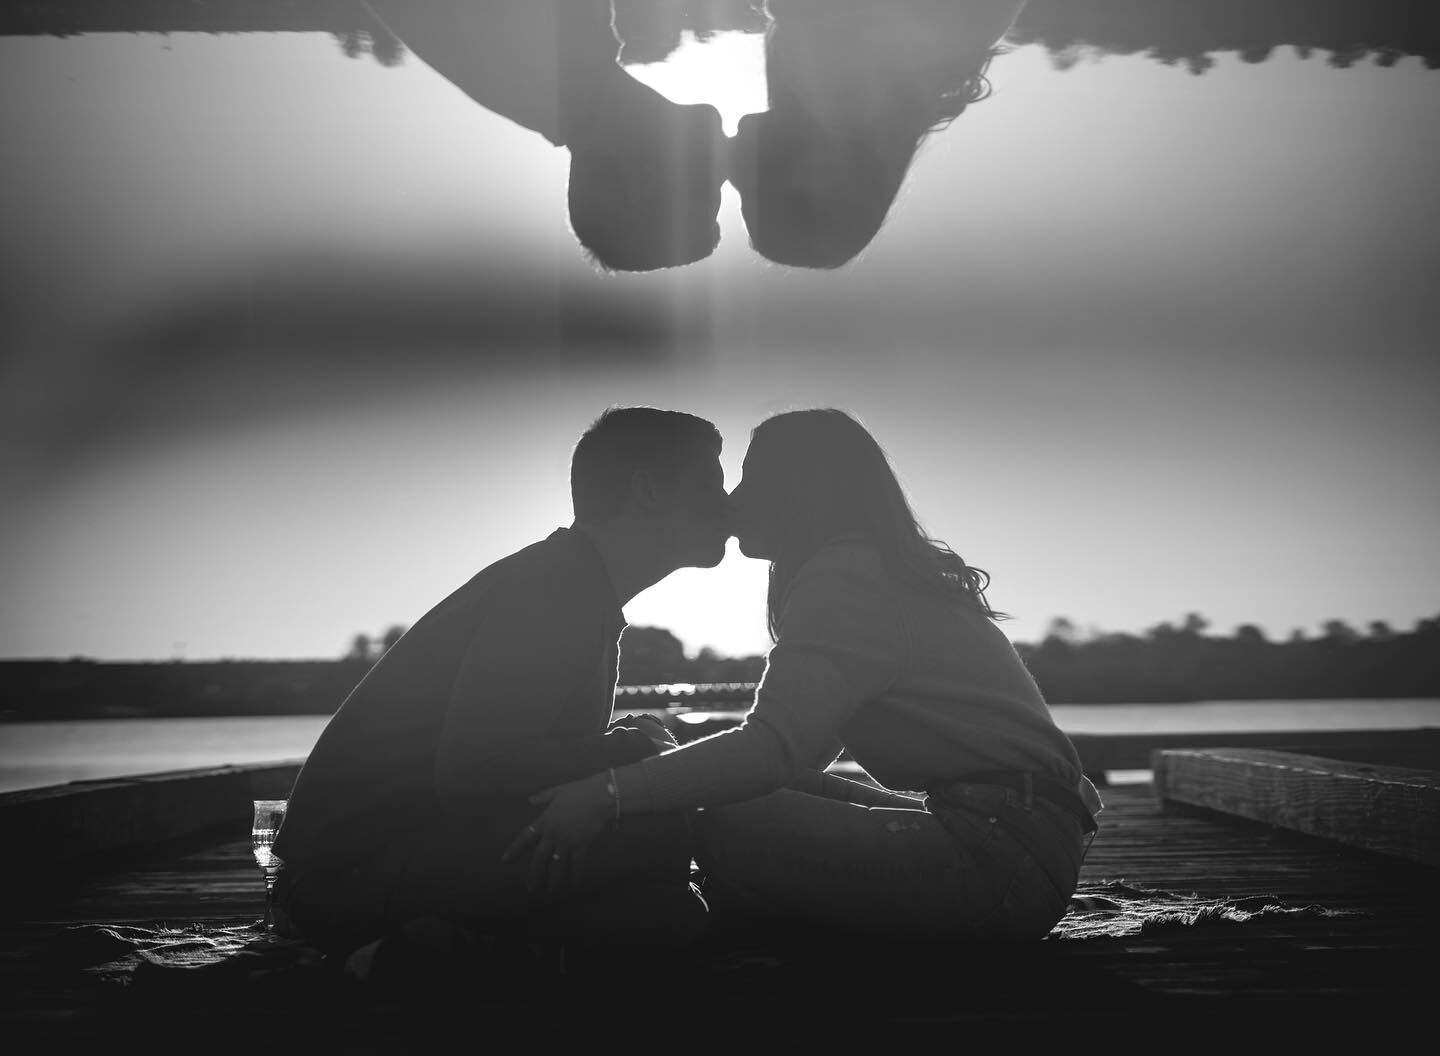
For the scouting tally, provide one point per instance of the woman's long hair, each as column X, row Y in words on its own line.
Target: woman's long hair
column 815, row 192
column 826, row 477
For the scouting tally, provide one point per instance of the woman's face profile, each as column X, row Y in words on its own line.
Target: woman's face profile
column 807, row 198
column 754, row 517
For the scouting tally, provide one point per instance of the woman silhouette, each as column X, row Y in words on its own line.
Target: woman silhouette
column 855, row 87
column 885, row 646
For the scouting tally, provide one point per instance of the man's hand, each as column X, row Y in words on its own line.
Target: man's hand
column 575, row 814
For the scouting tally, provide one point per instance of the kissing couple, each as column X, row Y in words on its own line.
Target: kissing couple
column 476, row 775
column 854, row 89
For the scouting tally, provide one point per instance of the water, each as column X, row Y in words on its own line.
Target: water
column 37, row 754
column 1248, row 715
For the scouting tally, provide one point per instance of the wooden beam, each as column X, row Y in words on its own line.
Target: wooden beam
column 65, row 824
column 1132, row 751
column 1389, row 809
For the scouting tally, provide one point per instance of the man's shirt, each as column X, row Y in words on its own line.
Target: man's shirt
column 499, row 691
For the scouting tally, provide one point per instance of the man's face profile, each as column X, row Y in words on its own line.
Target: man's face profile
column 750, row 516
column 698, row 513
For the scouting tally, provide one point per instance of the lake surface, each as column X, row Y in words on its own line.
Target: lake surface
column 36, row 754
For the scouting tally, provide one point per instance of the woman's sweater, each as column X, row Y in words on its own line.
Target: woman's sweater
column 917, row 688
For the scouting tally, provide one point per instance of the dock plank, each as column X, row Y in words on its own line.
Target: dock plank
column 1101, row 752
column 1388, row 809
column 1319, row 975
column 63, row 826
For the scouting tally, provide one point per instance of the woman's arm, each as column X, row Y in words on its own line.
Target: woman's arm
column 839, row 646
column 651, row 726
column 833, row 786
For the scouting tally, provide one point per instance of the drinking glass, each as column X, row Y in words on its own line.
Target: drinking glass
column 269, row 813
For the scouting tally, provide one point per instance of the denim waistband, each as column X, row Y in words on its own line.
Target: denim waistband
column 1040, row 786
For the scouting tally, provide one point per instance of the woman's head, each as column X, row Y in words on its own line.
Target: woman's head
column 816, row 475
column 854, row 91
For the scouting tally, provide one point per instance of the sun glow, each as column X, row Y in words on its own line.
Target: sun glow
column 723, row 607
column 726, row 70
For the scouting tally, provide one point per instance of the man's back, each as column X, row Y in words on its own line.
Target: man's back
column 499, row 690
column 422, row 779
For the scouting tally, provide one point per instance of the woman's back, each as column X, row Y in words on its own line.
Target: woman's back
column 945, row 692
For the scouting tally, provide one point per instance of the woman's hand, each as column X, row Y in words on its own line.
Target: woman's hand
column 657, row 731
column 558, row 839
column 651, row 727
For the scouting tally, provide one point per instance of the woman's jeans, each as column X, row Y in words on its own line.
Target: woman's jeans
column 985, row 863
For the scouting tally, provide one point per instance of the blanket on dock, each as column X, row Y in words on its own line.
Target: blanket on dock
column 234, row 950
column 1115, row 909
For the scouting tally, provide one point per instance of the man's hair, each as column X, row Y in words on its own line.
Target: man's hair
column 652, row 203
column 627, row 440
column 620, row 233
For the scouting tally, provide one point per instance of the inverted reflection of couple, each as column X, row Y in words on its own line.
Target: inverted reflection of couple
column 855, row 86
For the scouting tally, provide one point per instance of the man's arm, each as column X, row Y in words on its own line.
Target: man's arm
column 515, row 723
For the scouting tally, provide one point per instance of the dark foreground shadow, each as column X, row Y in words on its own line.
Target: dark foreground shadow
column 786, row 988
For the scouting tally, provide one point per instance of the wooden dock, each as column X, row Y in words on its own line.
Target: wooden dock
column 1364, row 969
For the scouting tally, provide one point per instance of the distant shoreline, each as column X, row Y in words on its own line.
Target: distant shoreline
column 55, row 690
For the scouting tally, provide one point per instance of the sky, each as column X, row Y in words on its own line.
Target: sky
column 295, row 343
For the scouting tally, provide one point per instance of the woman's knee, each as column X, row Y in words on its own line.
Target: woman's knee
column 735, row 826
column 643, row 916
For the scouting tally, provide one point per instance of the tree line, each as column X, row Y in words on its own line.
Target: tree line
column 1181, row 661
column 1169, row 662
column 1185, row 32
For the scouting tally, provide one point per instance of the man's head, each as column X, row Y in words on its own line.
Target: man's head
column 660, row 471
column 645, row 186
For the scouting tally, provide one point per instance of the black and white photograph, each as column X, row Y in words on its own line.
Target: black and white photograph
column 719, row 526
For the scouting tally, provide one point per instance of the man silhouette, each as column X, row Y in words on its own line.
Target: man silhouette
column 421, row 778
column 645, row 173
